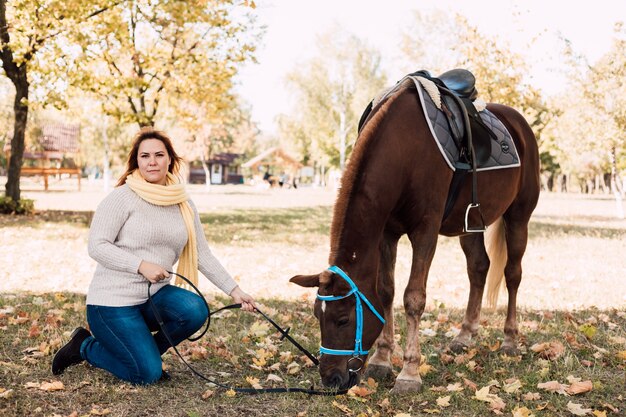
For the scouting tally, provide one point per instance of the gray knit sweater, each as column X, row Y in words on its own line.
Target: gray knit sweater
column 126, row 230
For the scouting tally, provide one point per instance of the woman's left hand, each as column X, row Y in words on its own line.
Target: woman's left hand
column 240, row 297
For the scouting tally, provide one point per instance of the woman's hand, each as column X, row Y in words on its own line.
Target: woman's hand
column 153, row 272
column 240, row 297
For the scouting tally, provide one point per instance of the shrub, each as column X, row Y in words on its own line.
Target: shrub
column 22, row 206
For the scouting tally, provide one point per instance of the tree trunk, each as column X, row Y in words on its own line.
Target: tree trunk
column 619, row 203
column 20, row 108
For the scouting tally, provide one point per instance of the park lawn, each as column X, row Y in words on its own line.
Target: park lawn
column 583, row 350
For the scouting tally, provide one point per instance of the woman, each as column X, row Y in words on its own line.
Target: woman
column 137, row 234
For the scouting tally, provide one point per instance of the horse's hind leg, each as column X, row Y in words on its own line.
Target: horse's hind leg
column 473, row 246
column 516, row 240
column 379, row 365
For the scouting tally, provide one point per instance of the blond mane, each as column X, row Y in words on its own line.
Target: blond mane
column 350, row 174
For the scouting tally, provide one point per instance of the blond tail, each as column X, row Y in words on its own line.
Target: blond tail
column 495, row 243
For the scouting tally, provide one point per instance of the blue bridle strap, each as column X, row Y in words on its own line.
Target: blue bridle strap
column 360, row 298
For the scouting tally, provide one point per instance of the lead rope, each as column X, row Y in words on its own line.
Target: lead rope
column 284, row 335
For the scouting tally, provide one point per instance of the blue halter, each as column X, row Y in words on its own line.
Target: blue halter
column 358, row 295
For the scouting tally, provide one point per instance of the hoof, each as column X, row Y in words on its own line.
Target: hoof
column 458, row 347
column 510, row 350
column 406, row 385
column 379, row 372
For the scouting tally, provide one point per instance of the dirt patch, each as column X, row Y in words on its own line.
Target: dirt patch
column 575, row 256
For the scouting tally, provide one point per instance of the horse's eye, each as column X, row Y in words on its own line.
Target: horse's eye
column 342, row 322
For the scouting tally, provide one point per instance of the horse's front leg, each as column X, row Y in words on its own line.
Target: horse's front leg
column 473, row 246
column 379, row 365
column 424, row 243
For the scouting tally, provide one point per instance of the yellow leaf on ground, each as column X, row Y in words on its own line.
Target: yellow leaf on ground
column 344, row 408
column 293, row 368
column 254, row 382
column 52, row 386
column 522, row 412
column 577, row 409
column 443, row 401
column 494, row 401
column 231, row 393
column 99, row 411
column 622, row 355
column 598, row 413
column 424, row 369
column 6, row 393
column 512, row 386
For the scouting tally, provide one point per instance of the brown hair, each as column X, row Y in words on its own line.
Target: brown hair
column 150, row 133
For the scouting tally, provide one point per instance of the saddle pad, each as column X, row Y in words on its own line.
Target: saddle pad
column 503, row 151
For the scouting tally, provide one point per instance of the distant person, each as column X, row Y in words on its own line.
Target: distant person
column 139, row 231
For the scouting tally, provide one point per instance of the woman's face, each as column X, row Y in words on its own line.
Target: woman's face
column 153, row 161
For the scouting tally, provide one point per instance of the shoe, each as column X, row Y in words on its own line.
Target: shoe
column 69, row 354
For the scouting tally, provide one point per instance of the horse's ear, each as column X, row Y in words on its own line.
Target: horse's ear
column 306, row 280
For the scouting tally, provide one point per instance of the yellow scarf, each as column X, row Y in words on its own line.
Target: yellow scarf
column 172, row 193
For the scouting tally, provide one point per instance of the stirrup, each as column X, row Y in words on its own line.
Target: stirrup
column 466, row 227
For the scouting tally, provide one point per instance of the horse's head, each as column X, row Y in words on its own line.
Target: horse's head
column 349, row 321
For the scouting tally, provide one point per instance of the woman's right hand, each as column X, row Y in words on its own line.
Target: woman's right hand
column 153, row 272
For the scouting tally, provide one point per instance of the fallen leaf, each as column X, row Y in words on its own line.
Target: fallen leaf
column 385, row 404
column 522, row 412
column 454, row 387
column 6, row 393
column 274, row 378
column 513, row 386
column 588, row 330
column 622, row 355
column 293, row 368
column 579, row 387
column 549, row 350
column 207, row 394
column 406, row 415
column 344, row 408
column 359, row 391
column 470, row 384
column 52, row 386
column 424, row 369
column 598, row 413
column 577, row 409
column 553, row 386
column 34, row 330
column 99, row 411
column 372, row 383
column 254, row 382
column 495, row 402
column 443, row 401
column 531, row 396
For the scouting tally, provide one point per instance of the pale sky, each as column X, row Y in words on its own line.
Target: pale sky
column 292, row 27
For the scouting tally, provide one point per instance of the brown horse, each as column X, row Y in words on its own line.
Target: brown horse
column 397, row 183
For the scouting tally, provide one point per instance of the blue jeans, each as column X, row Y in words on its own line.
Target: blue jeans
column 123, row 343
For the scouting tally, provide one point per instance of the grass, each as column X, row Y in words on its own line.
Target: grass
column 240, row 347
